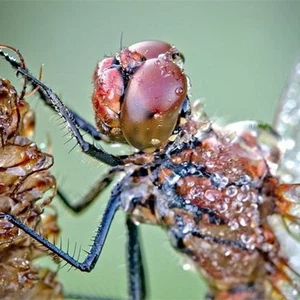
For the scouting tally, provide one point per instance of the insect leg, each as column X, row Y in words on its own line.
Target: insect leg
column 92, row 194
column 90, row 260
column 136, row 272
column 86, row 147
column 81, row 122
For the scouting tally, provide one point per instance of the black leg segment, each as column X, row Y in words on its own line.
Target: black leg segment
column 81, row 122
column 86, row 147
column 89, row 262
column 97, row 188
column 136, row 272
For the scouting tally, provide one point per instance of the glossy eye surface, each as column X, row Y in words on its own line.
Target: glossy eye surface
column 150, row 49
column 108, row 90
column 151, row 104
column 138, row 94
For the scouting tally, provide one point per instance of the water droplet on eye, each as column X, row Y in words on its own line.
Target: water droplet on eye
column 156, row 116
column 179, row 91
column 157, row 62
column 231, row 191
column 155, row 141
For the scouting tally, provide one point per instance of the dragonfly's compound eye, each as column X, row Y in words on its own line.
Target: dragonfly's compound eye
column 139, row 93
column 152, row 103
column 150, row 49
column 108, row 90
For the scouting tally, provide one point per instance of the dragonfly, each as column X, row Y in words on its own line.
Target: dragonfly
column 219, row 192
column 26, row 190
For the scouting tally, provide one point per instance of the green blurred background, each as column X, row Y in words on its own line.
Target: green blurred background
column 238, row 56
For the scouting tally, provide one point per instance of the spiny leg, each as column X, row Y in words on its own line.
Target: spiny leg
column 135, row 265
column 81, row 122
column 88, row 264
column 90, row 260
column 92, row 194
column 86, row 147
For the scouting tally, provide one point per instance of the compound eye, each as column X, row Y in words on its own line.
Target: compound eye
column 150, row 49
column 152, row 102
column 108, row 90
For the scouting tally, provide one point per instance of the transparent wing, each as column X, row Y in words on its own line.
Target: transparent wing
column 286, row 224
column 287, row 124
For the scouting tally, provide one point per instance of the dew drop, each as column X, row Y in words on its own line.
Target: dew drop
column 246, row 239
column 42, row 146
column 222, row 207
column 164, row 57
column 192, row 170
column 210, row 195
column 219, row 180
column 214, row 263
column 186, row 267
column 231, row 191
column 234, row 225
column 244, row 179
column 238, row 207
column 243, row 222
column 156, row 116
column 179, row 91
column 242, row 197
column 210, row 164
column 206, row 154
column 190, row 183
column 245, row 188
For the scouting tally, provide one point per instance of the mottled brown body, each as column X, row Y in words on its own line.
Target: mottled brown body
column 24, row 180
column 213, row 192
